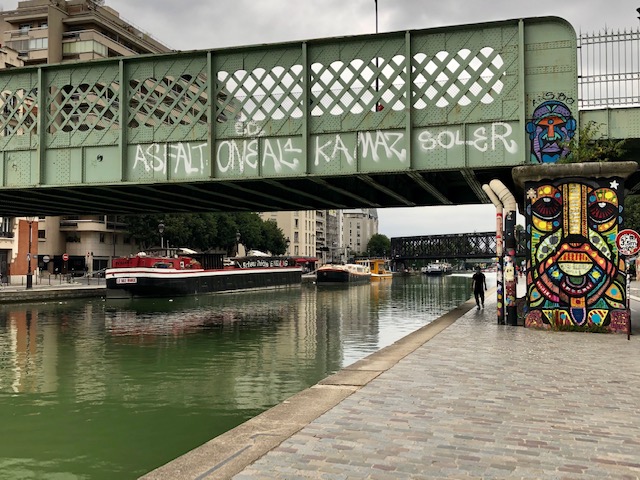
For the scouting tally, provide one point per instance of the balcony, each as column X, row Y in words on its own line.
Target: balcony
column 95, row 224
column 92, row 42
column 30, row 43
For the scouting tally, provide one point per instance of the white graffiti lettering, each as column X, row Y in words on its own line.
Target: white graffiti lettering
column 387, row 141
column 236, row 155
column 184, row 157
column 229, row 151
column 481, row 141
column 372, row 144
column 509, row 145
column 330, row 149
column 249, row 129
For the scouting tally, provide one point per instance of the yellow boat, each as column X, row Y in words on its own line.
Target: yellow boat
column 378, row 267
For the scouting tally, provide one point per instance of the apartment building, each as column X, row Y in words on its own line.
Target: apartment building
column 54, row 31
column 360, row 225
column 299, row 227
column 10, row 58
column 321, row 233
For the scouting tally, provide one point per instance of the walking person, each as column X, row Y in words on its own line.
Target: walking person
column 479, row 285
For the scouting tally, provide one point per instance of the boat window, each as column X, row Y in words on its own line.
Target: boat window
column 161, row 265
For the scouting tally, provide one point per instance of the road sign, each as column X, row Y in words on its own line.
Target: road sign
column 65, row 257
column 628, row 242
column 46, row 259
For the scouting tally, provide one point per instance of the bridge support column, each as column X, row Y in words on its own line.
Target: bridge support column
column 575, row 275
column 500, row 195
column 510, row 278
column 499, row 253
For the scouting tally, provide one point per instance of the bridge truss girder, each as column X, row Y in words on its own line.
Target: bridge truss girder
column 454, row 246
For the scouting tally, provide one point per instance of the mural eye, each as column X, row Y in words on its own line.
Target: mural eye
column 547, row 208
column 601, row 212
column 552, row 122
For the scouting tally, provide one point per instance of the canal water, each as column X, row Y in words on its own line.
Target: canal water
column 95, row 389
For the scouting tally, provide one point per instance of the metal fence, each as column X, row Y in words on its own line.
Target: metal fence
column 609, row 69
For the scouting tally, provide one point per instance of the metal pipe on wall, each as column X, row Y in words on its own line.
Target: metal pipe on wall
column 499, row 253
column 509, row 203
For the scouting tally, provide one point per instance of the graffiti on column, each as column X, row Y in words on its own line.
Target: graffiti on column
column 550, row 130
column 576, row 276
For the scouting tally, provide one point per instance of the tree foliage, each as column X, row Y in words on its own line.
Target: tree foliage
column 274, row 238
column 590, row 145
column 207, row 232
column 631, row 212
column 379, row 245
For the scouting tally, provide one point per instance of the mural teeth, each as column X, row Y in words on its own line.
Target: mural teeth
column 575, row 269
column 574, row 257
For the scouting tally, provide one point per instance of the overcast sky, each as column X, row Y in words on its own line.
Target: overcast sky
column 210, row 24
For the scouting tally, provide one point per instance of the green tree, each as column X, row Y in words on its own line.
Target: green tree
column 589, row 145
column 193, row 230
column 273, row 237
column 631, row 212
column 144, row 229
column 379, row 245
column 250, row 228
column 207, row 231
column 226, row 234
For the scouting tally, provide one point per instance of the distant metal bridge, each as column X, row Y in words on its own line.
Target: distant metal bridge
column 453, row 246
column 433, row 247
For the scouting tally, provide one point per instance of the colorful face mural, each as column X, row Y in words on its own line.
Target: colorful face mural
column 575, row 276
column 550, row 130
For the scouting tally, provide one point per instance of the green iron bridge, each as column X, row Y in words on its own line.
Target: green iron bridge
column 400, row 119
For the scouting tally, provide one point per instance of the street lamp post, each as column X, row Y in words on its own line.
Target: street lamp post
column 376, row 2
column 161, row 231
column 30, row 221
column 237, row 242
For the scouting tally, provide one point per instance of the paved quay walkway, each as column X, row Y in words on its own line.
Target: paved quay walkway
column 460, row 398
column 53, row 289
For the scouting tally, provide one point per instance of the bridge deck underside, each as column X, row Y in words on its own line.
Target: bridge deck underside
column 353, row 191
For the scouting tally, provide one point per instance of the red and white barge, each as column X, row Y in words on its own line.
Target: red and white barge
column 156, row 275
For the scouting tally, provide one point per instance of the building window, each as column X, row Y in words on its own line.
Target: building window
column 42, row 234
column 84, row 46
column 102, row 238
column 295, row 223
column 5, row 226
column 73, row 239
column 38, row 43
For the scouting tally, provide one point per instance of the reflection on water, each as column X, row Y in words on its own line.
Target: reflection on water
column 95, row 389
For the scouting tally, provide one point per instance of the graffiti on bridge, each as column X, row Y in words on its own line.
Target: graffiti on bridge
column 550, row 130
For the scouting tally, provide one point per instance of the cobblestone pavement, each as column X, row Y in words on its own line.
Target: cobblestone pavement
column 481, row 400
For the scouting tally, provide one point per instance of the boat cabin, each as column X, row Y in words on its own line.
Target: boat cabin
column 377, row 266
column 142, row 260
